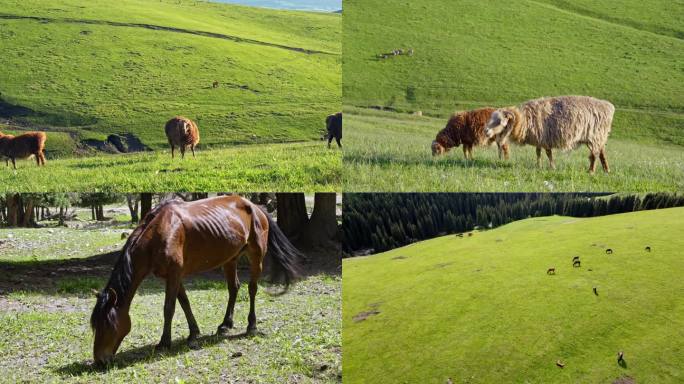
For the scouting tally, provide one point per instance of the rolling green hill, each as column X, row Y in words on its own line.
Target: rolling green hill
column 470, row 54
column 90, row 69
column 482, row 309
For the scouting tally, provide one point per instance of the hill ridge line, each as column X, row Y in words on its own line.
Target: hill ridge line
column 215, row 35
column 596, row 16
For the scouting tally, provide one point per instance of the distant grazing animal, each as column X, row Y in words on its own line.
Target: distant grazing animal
column 333, row 124
column 563, row 122
column 560, row 363
column 410, row 52
column 551, row 271
column 595, row 291
column 182, row 132
column 177, row 239
column 576, row 263
column 621, row 357
column 22, row 147
column 467, row 128
column 648, row 249
column 215, row 84
column 609, row 251
column 575, row 258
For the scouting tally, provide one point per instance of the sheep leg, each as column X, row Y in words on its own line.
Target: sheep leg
column 604, row 161
column 592, row 161
column 539, row 157
column 549, row 154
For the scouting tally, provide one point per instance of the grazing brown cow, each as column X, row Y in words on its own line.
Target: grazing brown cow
column 215, row 84
column 609, row 251
column 551, row 271
column 467, row 128
column 182, row 132
column 22, row 147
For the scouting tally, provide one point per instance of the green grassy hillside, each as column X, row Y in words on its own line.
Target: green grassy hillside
column 482, row 309
column 282, row 167
column 96, row 68
column 470, row 54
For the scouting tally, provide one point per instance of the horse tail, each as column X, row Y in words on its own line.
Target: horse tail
column 284, row 257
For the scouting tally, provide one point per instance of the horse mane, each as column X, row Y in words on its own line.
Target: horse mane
column 122, row 274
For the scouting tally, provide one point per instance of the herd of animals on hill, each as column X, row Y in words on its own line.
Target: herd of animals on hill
column 180, row 131
column 548, row 123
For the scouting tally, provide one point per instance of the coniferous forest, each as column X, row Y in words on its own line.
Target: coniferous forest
column 378, row 222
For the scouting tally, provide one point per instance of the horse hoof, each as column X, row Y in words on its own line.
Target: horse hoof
column 252, row 331
column 162, row 347
column 193, row 344
column 223, row 330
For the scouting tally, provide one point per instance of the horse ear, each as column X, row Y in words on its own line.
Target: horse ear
column 112, row 297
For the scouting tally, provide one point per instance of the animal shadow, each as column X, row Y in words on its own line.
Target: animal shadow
column 147, row 353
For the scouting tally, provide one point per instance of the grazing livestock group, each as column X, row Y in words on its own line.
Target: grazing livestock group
column 23, row 146
column 548, row 123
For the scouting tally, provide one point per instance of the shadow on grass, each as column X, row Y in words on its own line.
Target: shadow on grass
column 444, row 161
column 146, row 354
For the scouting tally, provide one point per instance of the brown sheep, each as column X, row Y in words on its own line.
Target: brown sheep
column 563, row 122
column 182, row 132
column 22, row 147
column 467, row 128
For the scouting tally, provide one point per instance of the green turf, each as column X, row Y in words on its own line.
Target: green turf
column 391, row 152
column 482, row 309
column 282, row 167
column 85, row 70
column 471, row 54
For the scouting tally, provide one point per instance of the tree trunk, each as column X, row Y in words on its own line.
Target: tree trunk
column 292, row 216
column 14, row 208
column 322, row 230
column 133, row 204
column 92, row 212
column 145, row 204
column 28, row 219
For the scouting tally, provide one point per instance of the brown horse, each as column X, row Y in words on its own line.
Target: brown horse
column 177, row 239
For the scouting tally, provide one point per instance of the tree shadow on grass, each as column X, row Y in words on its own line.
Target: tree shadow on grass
column 145, row 354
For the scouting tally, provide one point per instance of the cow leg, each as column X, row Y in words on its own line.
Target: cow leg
column 465, row 152
column 42, row 158
column 539, row 157
column 192, row 323
column 172, row 283
column 230, row 271
column 549, row 154
column 339, row 144
column 604, row 160
column 14, row 163
column 504, row 146
column 330, row 137
column 182, row 149
column 173, row 148
column 192, row 148
column 37, row 156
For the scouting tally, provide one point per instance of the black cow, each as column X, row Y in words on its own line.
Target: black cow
column 333, row 124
